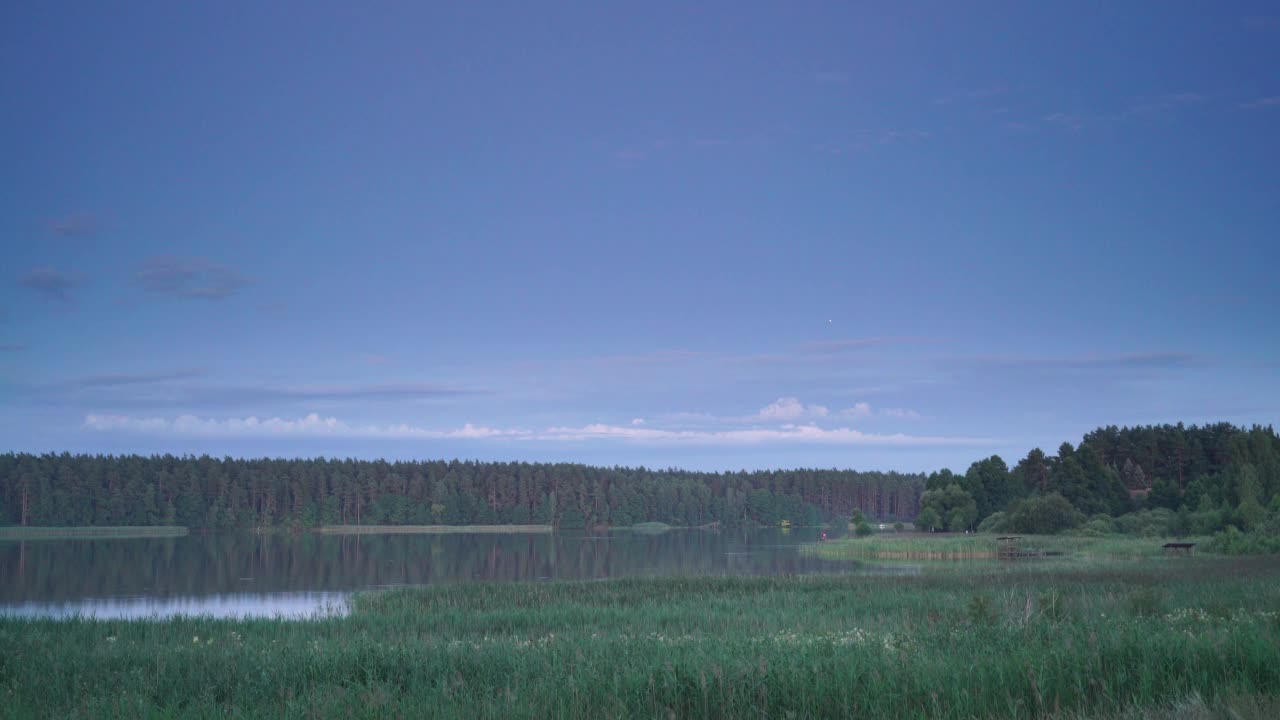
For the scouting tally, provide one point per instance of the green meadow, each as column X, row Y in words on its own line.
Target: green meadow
column 1195, row 637
column 959, row 546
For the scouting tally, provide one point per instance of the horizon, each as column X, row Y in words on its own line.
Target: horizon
column 716, row 238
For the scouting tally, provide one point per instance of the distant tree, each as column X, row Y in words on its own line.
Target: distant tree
column 1045, row 515
column 928, row 519
column 952, row 504
column 863, row 529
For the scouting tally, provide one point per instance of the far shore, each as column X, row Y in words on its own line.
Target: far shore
column 428, row 529
column 20, row 532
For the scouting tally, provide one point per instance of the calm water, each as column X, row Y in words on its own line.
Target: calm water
column 300, row 575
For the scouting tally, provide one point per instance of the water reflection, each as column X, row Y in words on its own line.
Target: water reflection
column 297, row 575
column 245, row 605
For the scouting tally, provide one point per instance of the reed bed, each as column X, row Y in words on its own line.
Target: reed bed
column 1016, row 641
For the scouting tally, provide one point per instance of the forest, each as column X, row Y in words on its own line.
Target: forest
column 1228, row 472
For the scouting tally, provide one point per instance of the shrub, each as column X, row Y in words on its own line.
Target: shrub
column 996, row 522
column 863, row 529
column 1045, row 515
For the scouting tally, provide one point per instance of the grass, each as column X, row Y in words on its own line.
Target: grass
column 1116, row 639
column 980, row 546
column 428, row 529
column 65, row 533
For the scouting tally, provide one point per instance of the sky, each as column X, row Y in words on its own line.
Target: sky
column 722, row 235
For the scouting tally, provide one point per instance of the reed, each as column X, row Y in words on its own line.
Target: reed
column 1019, row 641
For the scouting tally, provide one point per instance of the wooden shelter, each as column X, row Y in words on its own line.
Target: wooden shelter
column 1008, row 546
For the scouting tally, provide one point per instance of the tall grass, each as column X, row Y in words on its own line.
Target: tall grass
column 64, row 533
column 1017, row 641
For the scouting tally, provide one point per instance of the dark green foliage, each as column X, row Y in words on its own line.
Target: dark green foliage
column 1167, row 467
column 205, row 492
column 928, row 519
column 996, row 522
column 954, row 508
column 1044, row 515
column 863, row 529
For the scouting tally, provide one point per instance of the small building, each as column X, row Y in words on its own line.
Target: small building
column 1007, row 546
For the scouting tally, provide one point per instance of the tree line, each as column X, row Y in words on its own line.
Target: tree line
column 1211, row 476
column 1207, row 478
column 213, row 493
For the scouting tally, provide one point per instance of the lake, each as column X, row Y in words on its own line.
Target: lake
column 247, row 575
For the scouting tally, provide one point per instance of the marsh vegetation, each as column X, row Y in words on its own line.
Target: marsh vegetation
column 1018, row 640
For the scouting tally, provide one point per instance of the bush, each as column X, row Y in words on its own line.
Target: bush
column 1097, row 528
column 1262, row 541
column 996, row 522
column 1045, row 515
column 1158, row 522
column 863, row 529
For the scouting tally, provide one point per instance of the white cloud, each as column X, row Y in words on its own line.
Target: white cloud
column 637, row 421
column 314, row 425
column 864, row 410
column 859, row 410
column 309, row 426
column 788, row 408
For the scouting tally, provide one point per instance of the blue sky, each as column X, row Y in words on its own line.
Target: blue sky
column 714, row 235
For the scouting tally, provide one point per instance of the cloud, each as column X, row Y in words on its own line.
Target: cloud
column 788, row 409
column 52, row 284
column 118, row 379
column 1149, row 360
column 1069, row 121
column 1159, row 104
column 864, row 141
column 74, row 224
column 313, row 425
column 863, row 410
column 859, row 410
column 189, row 278
column 971, row 95
column 831, row 347
column 388, row 391
column 1262, row 102
column 181, row 390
